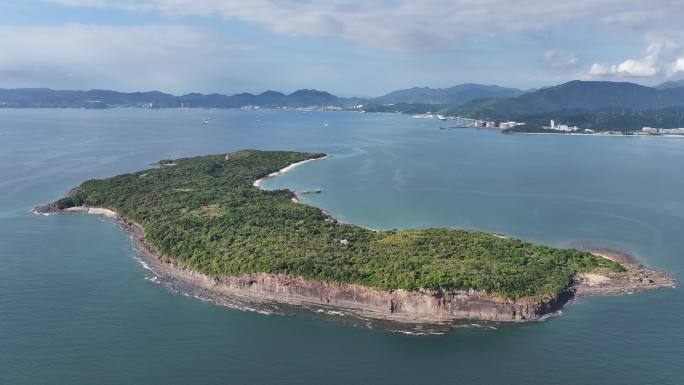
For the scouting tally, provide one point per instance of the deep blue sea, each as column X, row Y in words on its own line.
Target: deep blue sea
column 76, row 307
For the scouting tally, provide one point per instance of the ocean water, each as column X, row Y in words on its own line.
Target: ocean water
column 76, row 307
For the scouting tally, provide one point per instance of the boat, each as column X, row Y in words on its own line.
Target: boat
column 314, row 191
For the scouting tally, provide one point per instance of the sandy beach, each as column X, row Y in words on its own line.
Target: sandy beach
column 257, row 183
column 93, row 210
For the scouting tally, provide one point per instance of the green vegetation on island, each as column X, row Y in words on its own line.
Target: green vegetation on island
column 205, row 213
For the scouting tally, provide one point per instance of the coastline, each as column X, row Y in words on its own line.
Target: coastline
column 295, row 198
column 257, row 183
column 269, row 290
column 637, row 278
column 604, row 134
column 399, row 306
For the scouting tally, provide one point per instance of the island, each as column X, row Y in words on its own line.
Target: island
column 205, row 222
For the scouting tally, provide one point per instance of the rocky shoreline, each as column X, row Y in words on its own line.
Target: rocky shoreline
column 637, row 278
column 423, row 307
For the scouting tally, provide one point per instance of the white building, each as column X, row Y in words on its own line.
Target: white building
column 662, row 131
column 672, row 131
column 561, row 127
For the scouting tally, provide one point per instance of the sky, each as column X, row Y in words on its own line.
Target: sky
column 346, row 47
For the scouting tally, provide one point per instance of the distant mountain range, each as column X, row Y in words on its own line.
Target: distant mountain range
column 49, row 98
column 589, row 95
column 456, row 95
column 43, row 97
column 670, row 84
column 464, row 100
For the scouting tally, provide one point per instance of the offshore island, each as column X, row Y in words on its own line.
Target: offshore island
column 205, row 222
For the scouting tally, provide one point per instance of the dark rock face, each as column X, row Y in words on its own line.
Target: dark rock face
column 396, row 305
column 47, row 208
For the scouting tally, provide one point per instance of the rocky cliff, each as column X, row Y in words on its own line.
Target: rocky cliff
column 397, row 305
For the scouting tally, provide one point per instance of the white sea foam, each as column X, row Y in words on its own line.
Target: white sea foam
column 203, row 299
column 153, row 279
column 260, row 311
column 144, row 264
column 472, row 326
column 331, row 312
column 552, row 314
column 417, row 333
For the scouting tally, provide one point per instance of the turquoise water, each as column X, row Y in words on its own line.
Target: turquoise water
column 76, row 307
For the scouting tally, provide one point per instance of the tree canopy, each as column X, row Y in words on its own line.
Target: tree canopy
column 205, row 213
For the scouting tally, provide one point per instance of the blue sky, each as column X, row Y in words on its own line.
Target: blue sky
column 363, row 48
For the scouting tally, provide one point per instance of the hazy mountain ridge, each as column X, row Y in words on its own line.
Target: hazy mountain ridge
column 44, row 97
column 576, row 94
column 455, row 95
column 585, row 95
column 670, row 84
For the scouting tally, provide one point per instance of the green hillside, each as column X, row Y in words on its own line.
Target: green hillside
column 205, row 213
column 587, row 95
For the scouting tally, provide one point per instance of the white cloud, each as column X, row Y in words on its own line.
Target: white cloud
column 656, row 61
column 599, row 70
column 192, row 58
column 678, row 66
column 561, row 61
column 128, row 58
column 635, row 68
column 83, row 3
column 411, row 25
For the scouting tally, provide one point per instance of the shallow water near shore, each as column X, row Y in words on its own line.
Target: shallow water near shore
column 76, row 307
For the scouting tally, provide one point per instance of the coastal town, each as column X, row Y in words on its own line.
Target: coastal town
column 661, row 131
column 644, row 131
column 463, row 122
column 554, row 127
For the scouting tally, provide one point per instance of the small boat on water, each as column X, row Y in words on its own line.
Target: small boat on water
column 314, row 191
